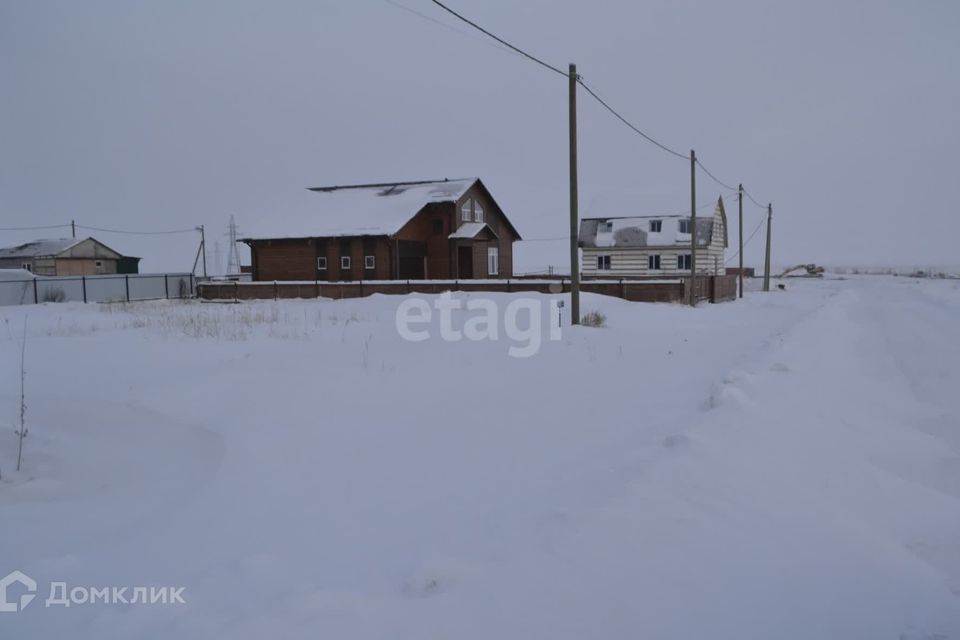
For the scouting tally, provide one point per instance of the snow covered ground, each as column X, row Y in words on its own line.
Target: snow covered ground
column 783, row 467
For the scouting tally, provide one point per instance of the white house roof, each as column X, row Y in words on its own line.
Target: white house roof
column 637, row 231
column 39, row 248
column 357, row 210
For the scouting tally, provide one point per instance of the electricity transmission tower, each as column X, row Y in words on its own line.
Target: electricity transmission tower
column 233, row 256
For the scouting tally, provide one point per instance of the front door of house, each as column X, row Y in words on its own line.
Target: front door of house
column 465, row 262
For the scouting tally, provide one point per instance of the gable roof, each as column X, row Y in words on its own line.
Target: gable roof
column 470, row 230
column 39, row 248
column 634, row 231
column 379, row 209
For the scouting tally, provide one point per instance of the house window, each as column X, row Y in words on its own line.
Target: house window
column 369, row 262
column 466, row 211
column 684, row 225
column 655, row 226
column 27, row 266
column 683, row 261
column 321, row 264
column 98, row 266
column 345, row 263
column 605, row 226
column 603, row 263
column 493, row 261
column 477, row 212
column 653, row 263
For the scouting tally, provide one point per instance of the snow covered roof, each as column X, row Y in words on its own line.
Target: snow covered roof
column 470, row 230
column 357, row 210
column 39, row 248
column 644, row 231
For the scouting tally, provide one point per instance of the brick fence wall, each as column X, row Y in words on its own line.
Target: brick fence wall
column 712, row 288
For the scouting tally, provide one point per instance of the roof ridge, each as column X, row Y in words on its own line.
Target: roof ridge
column 376, row 185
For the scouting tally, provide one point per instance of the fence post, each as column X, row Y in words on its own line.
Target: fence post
column 361, row 286
column 166, row 286
column 316, row 285
column 508, row 285
column 36, row 298
column 621, row 288
column 408, row 286
column 276, row 290
column 236, row 291
column 126, row 284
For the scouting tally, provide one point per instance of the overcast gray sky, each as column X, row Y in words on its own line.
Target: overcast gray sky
column 165, row 115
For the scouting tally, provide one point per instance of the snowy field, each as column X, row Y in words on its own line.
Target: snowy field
column 783, row 467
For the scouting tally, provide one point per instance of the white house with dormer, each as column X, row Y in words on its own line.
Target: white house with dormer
column 652, row 245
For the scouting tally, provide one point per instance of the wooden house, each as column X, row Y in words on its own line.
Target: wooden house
column 67, row 257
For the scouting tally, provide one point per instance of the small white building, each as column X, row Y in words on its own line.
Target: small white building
column 652, row 245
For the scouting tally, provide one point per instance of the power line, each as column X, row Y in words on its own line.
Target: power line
column 500, row 40
column 627, row 122
column 425, row 16
column 745, row 243
column 137, row 233
column 715, row 178
column 753, row 200
column 52, row 226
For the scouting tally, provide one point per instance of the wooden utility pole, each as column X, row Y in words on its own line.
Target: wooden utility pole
column 693, row 228
column 203, row 249
column 740, row 252
column 766, row 261
column 73, row 228
column 574, row 231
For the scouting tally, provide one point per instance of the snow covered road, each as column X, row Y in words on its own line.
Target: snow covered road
column 787, row 466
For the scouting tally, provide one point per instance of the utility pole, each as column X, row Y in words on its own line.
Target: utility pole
column 693, row 228
column 766, row 262
column 740, row 199
column 73, row 228
column 203, row 248
column 574, row 232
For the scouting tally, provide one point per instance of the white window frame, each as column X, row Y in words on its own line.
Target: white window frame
column 601, row 259
column 369, row 262
column 344, row 263
column 322, row 263
column 466, row 210
column 656, row 226
column 681, row 223
column 684, row 257
column 26, row 266
column 654, row 262
column 605, row 226
column 477, row 211
column 493, row 261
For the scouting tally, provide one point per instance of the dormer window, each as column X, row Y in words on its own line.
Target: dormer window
column 684, row 225
column 466, row 210
column 605, row 226
column 477, row 212
column 655, row 226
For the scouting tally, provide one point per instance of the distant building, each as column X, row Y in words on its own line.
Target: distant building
column 652, row 245
column 440, row 229
column 67, row 257
column 748, row 272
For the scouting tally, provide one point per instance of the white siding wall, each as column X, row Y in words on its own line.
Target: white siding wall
column 634, row 262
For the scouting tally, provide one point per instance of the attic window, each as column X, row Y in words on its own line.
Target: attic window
column 477, row 212
column 466, row 208
column 684, row 225
column 656, row 226
column 605, row 226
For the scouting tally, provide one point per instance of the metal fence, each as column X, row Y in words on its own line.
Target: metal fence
column 107, row 288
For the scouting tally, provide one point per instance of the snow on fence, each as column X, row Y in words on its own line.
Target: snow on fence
column 105, row 288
